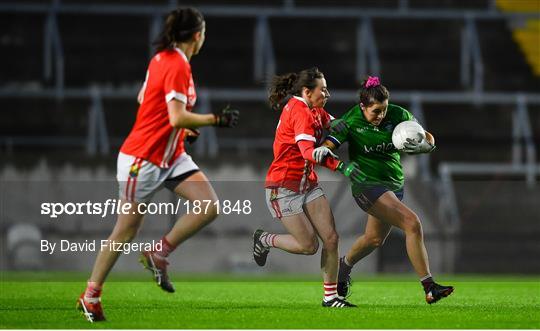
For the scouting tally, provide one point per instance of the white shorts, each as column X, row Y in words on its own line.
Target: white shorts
column 284, row 202
column 139, row 180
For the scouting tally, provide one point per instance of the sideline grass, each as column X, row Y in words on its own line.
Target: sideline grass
column 281, row 302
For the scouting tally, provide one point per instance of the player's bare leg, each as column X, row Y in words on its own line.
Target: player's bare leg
column 319, row 213
column 194, row 188
column 302, row 238
column 125, row 229
column 389, row 209
column 374, row 236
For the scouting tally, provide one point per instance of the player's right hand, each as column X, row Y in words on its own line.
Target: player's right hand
column 321, row 152
column 228, row 118
column 352, row 171
column 337, row 126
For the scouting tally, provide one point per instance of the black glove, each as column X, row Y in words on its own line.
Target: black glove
column 351, row 171
column 337, row 126
column 228, row 118
column 192, row 136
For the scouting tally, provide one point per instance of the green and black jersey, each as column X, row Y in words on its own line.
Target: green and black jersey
column 371, row 147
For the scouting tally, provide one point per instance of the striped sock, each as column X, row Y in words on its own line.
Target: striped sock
column 330, row 291
column 268, row 240
column 166, row 248
column 92, row 292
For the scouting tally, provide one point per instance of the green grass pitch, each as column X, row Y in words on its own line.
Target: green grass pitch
column 266, row 302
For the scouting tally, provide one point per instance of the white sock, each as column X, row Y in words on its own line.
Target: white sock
column 268, row 240
column 330, row 291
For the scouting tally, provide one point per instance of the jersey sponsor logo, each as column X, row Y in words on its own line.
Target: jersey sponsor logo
column 384, row 147
column 360, row 130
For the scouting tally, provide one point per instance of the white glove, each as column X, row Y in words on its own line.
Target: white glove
column 414, row 147
column 321, row 152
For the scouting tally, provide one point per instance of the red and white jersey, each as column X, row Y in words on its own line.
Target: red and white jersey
column 152, row 138
column 297, row 122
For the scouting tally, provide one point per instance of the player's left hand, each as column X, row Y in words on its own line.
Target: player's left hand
column 321, row 152
column 192, row 135
column 414, row 147
column 228, row 118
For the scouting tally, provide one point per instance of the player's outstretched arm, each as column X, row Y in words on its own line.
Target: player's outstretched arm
column 350, row 170
column 179, row 117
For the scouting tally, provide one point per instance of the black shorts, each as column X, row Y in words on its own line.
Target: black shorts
column 367, row 198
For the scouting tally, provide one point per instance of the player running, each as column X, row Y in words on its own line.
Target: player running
column 368, row 131
column 153, row 154
column 292, row 192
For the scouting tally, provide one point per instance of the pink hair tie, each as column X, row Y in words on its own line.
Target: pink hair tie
column 373, row 82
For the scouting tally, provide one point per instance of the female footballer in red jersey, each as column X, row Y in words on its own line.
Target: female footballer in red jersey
column 292, row 191
column 153, row 154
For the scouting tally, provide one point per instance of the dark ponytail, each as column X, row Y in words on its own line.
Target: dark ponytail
column 280, row 89
column 180, row 25
column 284, row 86
column 372, row 91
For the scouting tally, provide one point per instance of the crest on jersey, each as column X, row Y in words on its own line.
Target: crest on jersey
column 134, row 170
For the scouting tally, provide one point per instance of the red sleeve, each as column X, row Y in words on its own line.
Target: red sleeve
column 176, row 80
column 307, row 147
column 303, row 125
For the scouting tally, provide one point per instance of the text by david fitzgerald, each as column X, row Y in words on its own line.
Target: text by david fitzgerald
column 102, row 245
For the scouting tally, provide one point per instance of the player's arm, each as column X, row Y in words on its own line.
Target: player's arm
column 331, row 161
column 179, row 117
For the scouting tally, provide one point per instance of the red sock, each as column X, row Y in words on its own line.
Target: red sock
column 92, row 292
column 330, row 291
column 166, row 248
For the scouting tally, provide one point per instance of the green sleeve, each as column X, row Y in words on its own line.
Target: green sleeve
column 407, row 116
column 402, row 114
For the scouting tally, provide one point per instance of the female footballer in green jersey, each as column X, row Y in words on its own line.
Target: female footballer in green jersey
column 368, row 131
